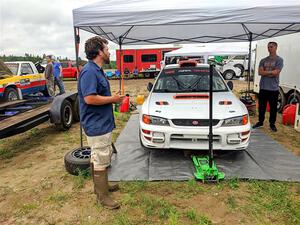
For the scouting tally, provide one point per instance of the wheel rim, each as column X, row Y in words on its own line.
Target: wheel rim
column 68, row 115
column 12, row 96
column 228, row 75
column 82, row 153
column 293, row 99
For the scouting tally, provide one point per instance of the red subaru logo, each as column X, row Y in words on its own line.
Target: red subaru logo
column 195, row 122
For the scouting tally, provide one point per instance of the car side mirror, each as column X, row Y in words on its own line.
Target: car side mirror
column 149, row 86
column 230, row 85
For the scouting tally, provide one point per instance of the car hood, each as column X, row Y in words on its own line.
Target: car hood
column 4, row 71
column 193, row 105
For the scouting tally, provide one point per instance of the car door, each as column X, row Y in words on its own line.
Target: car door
column 29, row 81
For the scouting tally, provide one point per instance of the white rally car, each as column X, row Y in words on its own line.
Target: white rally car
column 176, row 113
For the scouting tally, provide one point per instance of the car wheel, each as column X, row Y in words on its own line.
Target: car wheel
column 228, row 74
column 49, row 89
column 147, row 75
column 10, row 94
column 281, row 100
column 66, row 116
column 294, row 98
column 77, row 160
column 241, row 67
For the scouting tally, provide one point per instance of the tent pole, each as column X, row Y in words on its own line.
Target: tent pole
column 121, row 83
column 249, row 62
column 210, row 142
column 77, row 41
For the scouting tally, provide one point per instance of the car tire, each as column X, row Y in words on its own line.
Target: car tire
column 49, row 89
column 66, row 116
column 281, row 100
column 11, row 94
column 147, row 75
column 77, row 160
column 293, row 98
column 228, row 74
column 241, row 67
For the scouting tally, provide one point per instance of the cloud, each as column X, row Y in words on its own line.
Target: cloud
column 39, row 27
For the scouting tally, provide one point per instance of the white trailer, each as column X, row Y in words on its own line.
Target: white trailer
column 289, row 79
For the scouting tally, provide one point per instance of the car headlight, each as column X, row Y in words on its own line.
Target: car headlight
column 236, row 121
column 154, row 120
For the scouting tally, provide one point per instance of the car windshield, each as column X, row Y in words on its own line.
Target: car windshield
column 13, row 67
column 188, row 79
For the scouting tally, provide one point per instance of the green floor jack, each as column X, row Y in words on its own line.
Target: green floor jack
column 206, row 168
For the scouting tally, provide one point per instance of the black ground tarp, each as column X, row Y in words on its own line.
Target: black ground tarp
column 265, row 159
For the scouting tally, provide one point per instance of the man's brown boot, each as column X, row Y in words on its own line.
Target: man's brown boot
column 111, row 187
column 101, row 187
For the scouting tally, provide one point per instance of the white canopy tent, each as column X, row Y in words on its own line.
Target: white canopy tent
column 175, row 21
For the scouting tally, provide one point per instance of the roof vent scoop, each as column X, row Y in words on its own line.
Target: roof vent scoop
column 187, row 63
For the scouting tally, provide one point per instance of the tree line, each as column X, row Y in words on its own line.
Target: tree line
column 37, row 58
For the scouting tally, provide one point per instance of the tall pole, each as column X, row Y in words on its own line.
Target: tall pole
column 121, row 83
column 77, row 41
column 249, row 63
column 210, row 142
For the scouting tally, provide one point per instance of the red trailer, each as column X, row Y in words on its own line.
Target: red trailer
column 147, row 61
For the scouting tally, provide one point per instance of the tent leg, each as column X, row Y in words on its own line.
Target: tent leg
column 249, row 63
column 121, row 84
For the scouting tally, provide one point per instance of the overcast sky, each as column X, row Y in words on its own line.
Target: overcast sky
column 41, row 27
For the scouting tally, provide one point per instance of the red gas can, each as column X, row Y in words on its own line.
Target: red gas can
column 125, row 104
column 289, row 114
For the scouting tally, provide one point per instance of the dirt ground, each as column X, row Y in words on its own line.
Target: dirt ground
column 36, row 189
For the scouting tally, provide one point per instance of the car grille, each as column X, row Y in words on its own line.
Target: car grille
column 199, row 141
column 194, row 122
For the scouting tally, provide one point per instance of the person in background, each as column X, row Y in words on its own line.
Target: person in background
column 49, row 76
column 135, row 72
column 269, row 70
column 96, row 116
column 57, row 71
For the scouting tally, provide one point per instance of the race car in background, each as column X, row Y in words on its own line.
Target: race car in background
column 21, row 78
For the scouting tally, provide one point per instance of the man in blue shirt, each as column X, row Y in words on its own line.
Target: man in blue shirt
column 57, row 70
column 269, row 70
column 96, row 116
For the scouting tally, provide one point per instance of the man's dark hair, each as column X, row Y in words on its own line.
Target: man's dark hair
column 273, row 43
column 93, row 46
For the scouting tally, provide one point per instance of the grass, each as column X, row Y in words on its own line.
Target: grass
column 272, row 201
column 27, row 208
column 80, row 180
column 59, row 198
column 196, row 219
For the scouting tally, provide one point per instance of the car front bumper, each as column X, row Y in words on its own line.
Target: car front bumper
column 194, row 138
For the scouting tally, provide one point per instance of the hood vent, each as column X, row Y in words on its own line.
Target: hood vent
column 191, row 96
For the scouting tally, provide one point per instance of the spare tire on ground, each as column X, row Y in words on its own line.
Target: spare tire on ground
column 78, row 160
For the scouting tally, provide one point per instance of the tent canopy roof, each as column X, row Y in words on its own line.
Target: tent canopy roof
column 176, row 21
